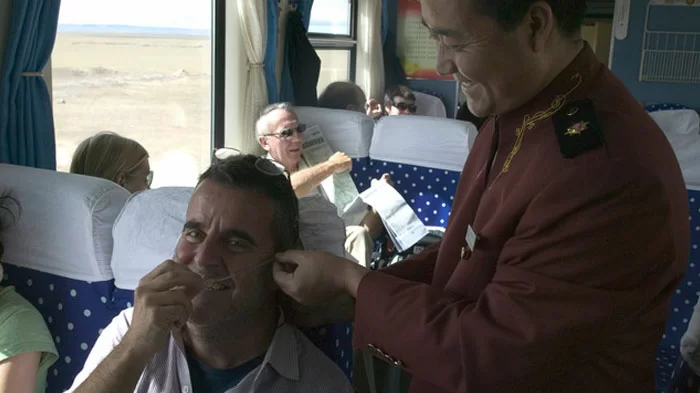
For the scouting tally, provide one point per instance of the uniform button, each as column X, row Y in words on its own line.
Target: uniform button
column 572, row 111
column 185, row 389
column 398, row 363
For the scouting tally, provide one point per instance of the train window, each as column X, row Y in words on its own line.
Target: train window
column 332, row 32
column 141, row 69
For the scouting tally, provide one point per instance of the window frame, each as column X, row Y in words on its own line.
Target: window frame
column 341, row 41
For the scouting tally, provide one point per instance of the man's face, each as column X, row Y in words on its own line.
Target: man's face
column 402, row 106
column 228, row 230
column 284, row 149
column 496, row 69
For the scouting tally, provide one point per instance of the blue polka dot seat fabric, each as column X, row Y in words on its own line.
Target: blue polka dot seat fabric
column 664, row 107
column 425, row 157
column 74, row 311
column 670, row 369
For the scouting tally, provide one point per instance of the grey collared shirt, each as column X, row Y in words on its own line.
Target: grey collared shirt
column 292, row 364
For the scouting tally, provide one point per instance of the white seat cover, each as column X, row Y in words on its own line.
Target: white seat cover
column 429, row 105
column 146, row 233
column 424, row 141
column 346, row 131
column 682, row 128
column 66, row 222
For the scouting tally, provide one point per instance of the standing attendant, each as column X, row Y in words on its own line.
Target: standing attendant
column 568, row 234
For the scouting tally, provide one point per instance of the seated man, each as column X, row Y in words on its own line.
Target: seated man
column 208, row 321
column 400, row 100
column 278, row 133
column 349, row 96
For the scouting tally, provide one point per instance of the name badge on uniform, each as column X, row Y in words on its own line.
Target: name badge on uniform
column 471, row 238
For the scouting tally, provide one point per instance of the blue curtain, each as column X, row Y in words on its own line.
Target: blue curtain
column 271, row 50
column 26, row 116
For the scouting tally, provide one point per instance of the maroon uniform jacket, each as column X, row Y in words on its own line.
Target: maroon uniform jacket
column 581, row 215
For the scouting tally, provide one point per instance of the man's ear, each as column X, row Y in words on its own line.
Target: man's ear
column 262, row 140
column 541, row 23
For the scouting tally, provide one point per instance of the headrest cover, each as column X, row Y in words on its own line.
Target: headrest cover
column 344, row 130
column 65, row 227
column 429, row 105
column 146, row 232
column 682, row 128
column 423, row 141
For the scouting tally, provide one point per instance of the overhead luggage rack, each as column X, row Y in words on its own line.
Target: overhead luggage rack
column 669, row 55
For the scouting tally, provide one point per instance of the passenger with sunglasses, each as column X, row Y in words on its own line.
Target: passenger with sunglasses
column 400, row 100
column 279, row 133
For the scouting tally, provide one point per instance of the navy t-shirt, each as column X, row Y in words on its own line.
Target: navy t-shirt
column 209, row 379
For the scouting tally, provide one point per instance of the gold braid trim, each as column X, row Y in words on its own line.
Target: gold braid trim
column 529, row 121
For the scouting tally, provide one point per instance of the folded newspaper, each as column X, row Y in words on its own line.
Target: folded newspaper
column 402, row 224
column 339, row 188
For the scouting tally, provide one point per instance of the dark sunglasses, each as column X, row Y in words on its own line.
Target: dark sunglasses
column 268, row 167
column 402, row 106
column 288, row 132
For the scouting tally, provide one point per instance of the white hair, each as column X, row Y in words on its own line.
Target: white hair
column 261, row 125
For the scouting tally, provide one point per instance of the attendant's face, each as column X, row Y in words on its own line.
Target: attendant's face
column 229, row 232
column 496, row 69
column 285, row 149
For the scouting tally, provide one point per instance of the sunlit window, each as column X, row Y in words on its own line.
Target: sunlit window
column 332, row 33
column 141, row 69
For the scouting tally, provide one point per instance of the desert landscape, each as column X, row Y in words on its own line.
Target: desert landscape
column 152, row 88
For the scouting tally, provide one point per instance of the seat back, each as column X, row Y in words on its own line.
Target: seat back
column 682, row 128
column 57, row 256
column 429, row 105
column 148, row 228
column 425, row 157
column 346, row 131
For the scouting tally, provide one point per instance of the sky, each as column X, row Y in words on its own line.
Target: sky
column 183, row 14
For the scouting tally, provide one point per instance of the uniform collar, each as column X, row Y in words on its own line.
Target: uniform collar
column 570, row 85
column 566, row 87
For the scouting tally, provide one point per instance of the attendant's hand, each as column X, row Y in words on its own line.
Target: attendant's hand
column 313, row 278
column 162, row 302
column 340, row 162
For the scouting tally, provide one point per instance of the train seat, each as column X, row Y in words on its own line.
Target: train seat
column 425, row 157
column 58, row 257
column 346, row 131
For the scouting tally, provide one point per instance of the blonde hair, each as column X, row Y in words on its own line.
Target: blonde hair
column 106, row 155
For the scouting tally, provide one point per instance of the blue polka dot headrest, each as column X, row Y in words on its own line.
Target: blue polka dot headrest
column 65, row 226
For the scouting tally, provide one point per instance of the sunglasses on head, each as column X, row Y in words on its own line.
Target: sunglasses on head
column 288, row 132
column 402, row 106
column 264, row 165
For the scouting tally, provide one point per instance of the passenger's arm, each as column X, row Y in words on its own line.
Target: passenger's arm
column 18, row 373
column 307, row 180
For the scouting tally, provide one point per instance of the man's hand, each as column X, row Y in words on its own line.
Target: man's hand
column 313, row 278
column 374, row 108
column 162, row 301
column 341, row 162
